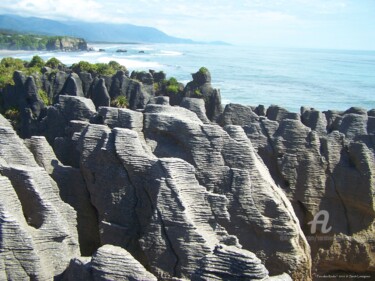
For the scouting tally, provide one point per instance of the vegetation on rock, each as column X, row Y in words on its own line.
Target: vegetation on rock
column 36, row 61
column 197, row 92
column 7, row 67
column 120, row 102
column 44, row 97
column 53, row 63
column 203, row 70
column 14, row 116
column 172, row 86
column 98, row 68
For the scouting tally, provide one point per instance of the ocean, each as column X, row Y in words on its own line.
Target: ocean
column 291, row 78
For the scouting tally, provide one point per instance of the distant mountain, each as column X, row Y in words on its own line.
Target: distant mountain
column 93, row 32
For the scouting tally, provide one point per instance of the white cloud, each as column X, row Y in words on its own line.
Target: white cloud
column 235, row 21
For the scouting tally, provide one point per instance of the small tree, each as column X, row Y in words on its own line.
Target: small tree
column 53, row 63
column 36, row 61
column 172, row 86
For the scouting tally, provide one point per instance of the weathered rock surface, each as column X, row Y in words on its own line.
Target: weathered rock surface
column 99, row 94
column 165, row 211
column 226, row 164
column 197, row 106
column 136, row 92
column 201, row 87
column 179, row 197
column 67, row 44
column 72, row 190
column 38, row 230
column 323, row 162
column 73, row 86
column 108, row 263
column 230, row 263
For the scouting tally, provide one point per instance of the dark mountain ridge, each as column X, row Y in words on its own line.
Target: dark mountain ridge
column 89, row 31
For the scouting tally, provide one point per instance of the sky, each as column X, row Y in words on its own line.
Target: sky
column 334, row 24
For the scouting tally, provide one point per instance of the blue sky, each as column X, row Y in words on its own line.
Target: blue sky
column 340, row 24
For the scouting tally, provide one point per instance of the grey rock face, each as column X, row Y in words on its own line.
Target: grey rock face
column 156, row 208
column 137, row 95
column 144, row 77
column 238, row 115
column 58, row 84
column 115, row 263
column 226, row 163
column 38, row 234
column 108, row 263
column 76, row 108
column 201, row 87
column 58, row 129
column 230, row 263
column 100, row 95
column 197, row 106
column 33, row 100
column 121, row 118
column 24, row 97
column 161, row 100
column 73, row 86
column 160, row 218
column 72, row 190
column 324, row 162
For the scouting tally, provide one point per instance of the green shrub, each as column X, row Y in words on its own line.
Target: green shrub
column 197, row 92
column 84, row 66
column 104, row 69
column 10, row 62
column 116, row 66
column 203, row 70
column 173, row 81
column 44, row 97
column 98, row 68
column 172, row 86
column 35, row 71
column 36, row 61
column 7, row 67
column 120, row 101
column 156, row 87
column 53, row 63
column 172, row 89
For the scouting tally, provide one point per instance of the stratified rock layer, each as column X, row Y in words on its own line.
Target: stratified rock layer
column 172, row 188
column 38, row 235
column 323, row 162
column 179, row 197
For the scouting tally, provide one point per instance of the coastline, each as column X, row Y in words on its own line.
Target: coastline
column 259, row 76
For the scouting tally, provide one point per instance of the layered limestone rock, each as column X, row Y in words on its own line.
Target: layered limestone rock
column 201, row 88
column 181, row 194
column 72, row 189
column 231, row 263
column 108, row 263
column 170, row 214
column 324, row 162
column 226, row 163
column 38, row 230
column 145, row 209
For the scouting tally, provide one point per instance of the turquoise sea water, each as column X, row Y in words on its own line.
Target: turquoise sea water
column 323, row 79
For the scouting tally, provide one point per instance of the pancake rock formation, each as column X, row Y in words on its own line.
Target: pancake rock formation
column 186, row 191
column 143, row 183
